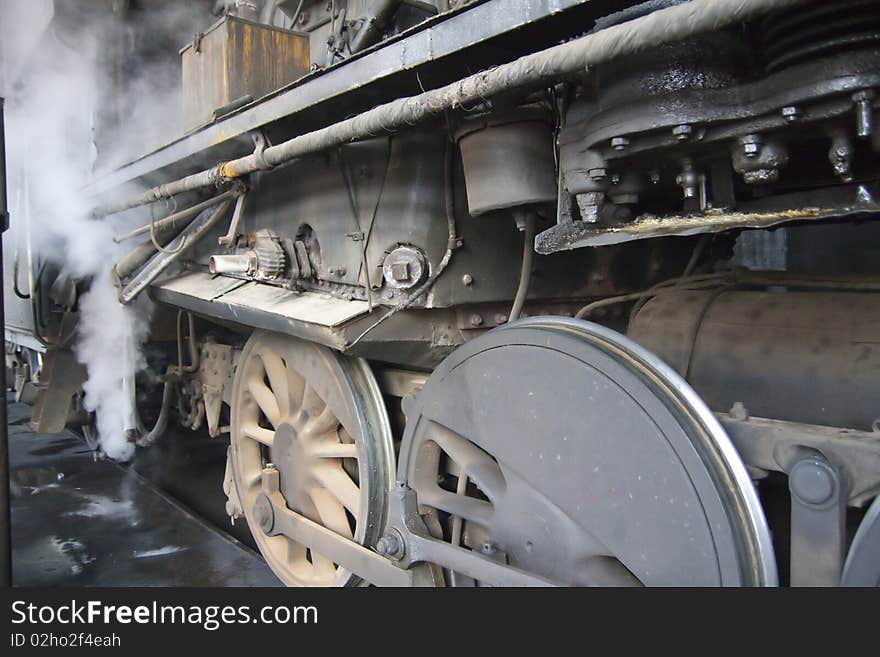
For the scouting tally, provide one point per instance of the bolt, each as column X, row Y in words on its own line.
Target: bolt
column 654, row 177
column 682, row 132
column 840, row 155
column 687, row 179
column 400, row 271
column 476, row 320
column 791, row 113
column 467, row 279
column 619, row 143
column 615, row 178
column 389, row 545
column 864, row 101
column 488, row 548
column 597, row 174
column 338, row 272
column 500, row 318
column 751, row 145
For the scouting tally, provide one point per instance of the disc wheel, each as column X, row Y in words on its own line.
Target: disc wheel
column 320, row 419
column 566, row 450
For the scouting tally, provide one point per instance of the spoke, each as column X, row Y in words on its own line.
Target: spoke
column 265, row 400
column 339, row 484
column 312, row 403
column 331, row 512
column 469, row 508
column 296, row 553
column 324, row 568
column 334, row 450
column 278, row 381
column 474, row 462
column 321, row 424
column 255, row 432
column 296, row 386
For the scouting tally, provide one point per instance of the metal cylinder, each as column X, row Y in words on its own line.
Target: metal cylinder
column 508, row 161
column 232, row 264
column 811, row 357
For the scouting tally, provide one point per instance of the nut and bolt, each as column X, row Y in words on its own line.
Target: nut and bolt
column 476, row 320
column 500, row 318
column 619, row 143
column 400, row 271
column 682, row 132
column 467, row 279
column 391, row 545
column 791, row 113
column 751, row 145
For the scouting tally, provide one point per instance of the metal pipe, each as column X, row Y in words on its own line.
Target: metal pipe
column 376, row 18
column 525, row 274
column 160, row 262
column 662, row 26
column 171, row 220
column 231, row 264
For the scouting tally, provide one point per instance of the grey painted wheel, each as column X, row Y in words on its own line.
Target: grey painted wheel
column 320, row 419
column 572, row 453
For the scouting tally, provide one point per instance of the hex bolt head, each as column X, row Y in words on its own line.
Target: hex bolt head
column 476, row 320
column 791, row 113
column 619, row 143
column 391, row 545
column 682, row 132
column 812, row 481
column 467, row 279
column 751, row 145
column 400, row 271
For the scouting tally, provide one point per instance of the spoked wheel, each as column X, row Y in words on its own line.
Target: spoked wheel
column 320, row 419
column 564, row 449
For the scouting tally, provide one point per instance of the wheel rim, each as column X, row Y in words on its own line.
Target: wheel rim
column 572, row 453
column 319, row 418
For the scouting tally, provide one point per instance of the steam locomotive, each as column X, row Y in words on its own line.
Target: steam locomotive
column 507, row 293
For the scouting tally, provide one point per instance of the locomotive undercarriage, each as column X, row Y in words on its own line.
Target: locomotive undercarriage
column 412, row 393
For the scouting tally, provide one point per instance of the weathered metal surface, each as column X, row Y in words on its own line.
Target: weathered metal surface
column 235, row 58
column 776, row 445
column 411, row 50
column 61, row 378
column 578, row 234
column 758, row 348
column 310, row 315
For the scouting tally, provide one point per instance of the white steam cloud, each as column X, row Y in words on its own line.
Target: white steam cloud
column 56, row 86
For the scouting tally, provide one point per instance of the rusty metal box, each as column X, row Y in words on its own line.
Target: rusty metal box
column 236, row 58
